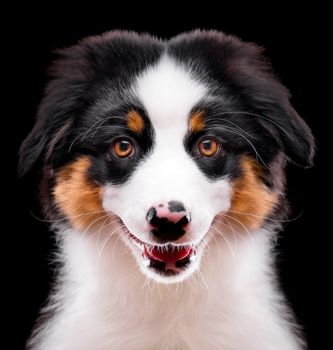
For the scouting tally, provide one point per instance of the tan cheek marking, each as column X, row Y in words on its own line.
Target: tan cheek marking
column 197, row 122
column 135, row 122
column 77, row 197
column 251, row 197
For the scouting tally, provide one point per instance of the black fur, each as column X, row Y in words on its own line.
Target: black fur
column 176, row 207
column 107, row 167
column 165, row 230
column 81, row 79
column 243, row 81
column 85, row 105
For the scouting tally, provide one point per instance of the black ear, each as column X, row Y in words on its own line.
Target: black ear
column 32, row 148
column 57, row 111
column 54, row 118
column 41, row 142
column 295, row 137
column 269, row 100
column 290, row 131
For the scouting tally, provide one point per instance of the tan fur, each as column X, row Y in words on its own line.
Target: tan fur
column 135, row 122
column 252, row 201
column 77, row 197
column 197, row 122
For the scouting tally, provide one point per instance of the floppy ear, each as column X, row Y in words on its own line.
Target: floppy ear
column 62, row 102
column 289, row 130
column 41, row 142
column 287, row 127
column 295, row 137
column 269, row 99
column 31, row 149
column 54, row 118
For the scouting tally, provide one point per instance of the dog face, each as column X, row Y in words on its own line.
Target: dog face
column 164, row 139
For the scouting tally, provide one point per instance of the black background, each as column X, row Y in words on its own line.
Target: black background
column 297, row 44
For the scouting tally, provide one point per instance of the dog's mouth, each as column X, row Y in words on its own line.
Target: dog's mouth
column 168, row 259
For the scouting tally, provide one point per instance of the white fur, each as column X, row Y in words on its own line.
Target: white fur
column 168, row 92
column 226, row 300
column 107, row 303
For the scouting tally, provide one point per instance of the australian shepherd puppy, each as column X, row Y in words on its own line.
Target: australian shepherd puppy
column 162, row 171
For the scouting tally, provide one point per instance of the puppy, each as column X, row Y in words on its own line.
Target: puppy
column 162, row 169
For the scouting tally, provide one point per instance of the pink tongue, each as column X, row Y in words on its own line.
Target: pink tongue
column 168, row 256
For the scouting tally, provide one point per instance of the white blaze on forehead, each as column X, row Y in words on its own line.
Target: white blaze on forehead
column 168, row 93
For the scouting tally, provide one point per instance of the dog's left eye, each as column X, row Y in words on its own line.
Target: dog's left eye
column 123, row 148
column 208, row 147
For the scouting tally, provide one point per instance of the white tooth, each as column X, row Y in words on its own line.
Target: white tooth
column 193, row 257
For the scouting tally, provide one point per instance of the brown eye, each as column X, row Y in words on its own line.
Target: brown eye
column 123, row 148
column 208, row 147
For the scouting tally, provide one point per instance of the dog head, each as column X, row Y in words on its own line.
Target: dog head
column 165, row 138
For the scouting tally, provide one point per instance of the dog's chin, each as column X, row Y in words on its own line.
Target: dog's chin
column 165, row 263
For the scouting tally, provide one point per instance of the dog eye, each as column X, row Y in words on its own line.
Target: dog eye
column 208, row 147
column 123, row 148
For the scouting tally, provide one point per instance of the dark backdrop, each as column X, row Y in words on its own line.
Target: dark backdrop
column 294, row 42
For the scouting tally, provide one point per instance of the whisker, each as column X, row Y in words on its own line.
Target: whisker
column 229, row 226
column 103, row 226
column 114, row 247
column 233, row 233
column 268, row 219
column 219, row 248
column 106, row 216
column 64, row 219
column 147, row 282
column 239, row 222
column 246, row 230
column 218, row 125
column 99, row 232
column 83, row 134
column 106, row 241
column 226, row 240
column 93, row 127
column 237, row 132
column 83, row 234
column 224, row 221
column 100, row 126
column 108, row 131
column 202, row 279
column 136, row 278
column 255, row 115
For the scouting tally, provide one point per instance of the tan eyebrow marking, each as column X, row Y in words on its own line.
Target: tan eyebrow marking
column 135, row 121
column 197, row 122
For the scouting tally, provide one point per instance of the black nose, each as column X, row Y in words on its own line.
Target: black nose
column 168, row 221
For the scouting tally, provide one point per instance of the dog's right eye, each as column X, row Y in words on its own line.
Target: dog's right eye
column 123, row 148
